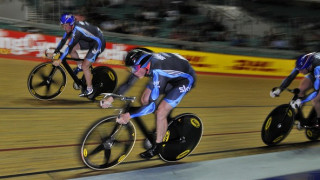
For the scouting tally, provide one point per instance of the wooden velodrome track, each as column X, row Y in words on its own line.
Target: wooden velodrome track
column 40, row 139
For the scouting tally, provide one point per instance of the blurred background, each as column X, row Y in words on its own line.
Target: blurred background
column 242, row 38
column 274, row 28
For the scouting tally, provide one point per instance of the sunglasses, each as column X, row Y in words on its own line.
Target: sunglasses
column 135, row 68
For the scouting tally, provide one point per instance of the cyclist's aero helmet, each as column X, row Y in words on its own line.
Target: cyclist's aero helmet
column 67, row 18
column 139, row 56
column 304, row 61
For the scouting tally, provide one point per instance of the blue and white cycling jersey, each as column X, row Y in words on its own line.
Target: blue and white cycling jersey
column 314, row 76
column 171, row 74
column 88, row 36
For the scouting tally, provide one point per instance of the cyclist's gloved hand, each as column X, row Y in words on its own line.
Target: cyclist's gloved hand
column 56, row 62
column 123, row 118
column 275, row 92
column 296, row 103
column 51, row 55
column 106, row 103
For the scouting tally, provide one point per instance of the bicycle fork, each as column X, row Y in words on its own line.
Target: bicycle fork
column 49, row 79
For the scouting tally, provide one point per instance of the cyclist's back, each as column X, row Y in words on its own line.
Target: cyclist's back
column 86, row 31
column 171, row 66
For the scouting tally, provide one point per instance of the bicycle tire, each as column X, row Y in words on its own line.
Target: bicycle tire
column 99, row 151
column 182, row 137
column 312, row 134
column 104, row 80
column 41, row 87
column 277, row 125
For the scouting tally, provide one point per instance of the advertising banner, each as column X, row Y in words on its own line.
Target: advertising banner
column 34, row 45
column 234, row 64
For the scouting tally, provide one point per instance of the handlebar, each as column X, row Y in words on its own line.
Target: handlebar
column 128, row 101
column 295, row 91
column 121, row 97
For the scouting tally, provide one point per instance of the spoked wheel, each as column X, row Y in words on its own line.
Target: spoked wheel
column 182, row 137
column 104, row 81
column 107, row 143
column 46, row 81
column 277, row 125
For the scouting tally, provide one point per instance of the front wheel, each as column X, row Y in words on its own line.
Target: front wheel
column 277, row 125
column 107, row 143
column 182, row 137
column 46, row 81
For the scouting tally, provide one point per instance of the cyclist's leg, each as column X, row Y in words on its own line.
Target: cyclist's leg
column 90, row 58
column 145, row 96
column 305, row 85
column 161, row 128
column 315, row 102
column 161, row 117
column 173, row 97
column 74, row 53
column 87, row 73
column 170, row 101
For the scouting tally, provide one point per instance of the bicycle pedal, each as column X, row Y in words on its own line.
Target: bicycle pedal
column 298, row 125
column 147, row 144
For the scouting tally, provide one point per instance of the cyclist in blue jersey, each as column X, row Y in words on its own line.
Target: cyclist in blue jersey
column 309, row 65
column 82, row 36
column 170, row 74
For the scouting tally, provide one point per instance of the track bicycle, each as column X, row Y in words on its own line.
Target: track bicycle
column 46, row 81
column 280, row 121
column 107, row 143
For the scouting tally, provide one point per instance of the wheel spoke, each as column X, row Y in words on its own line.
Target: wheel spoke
column 116, row 128
column 107, row 153
column 42, row 75
column 97, row 150
column 47, row 88
column 55, row 82
column 43, row 83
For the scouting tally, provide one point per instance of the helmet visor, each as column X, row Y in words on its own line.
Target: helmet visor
column 135, row 68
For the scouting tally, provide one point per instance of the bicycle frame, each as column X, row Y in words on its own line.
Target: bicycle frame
column 137, row 120
column 143, row 129
column 148, row 135
column 299, row 115
column 68, row 68
column 70, row 71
